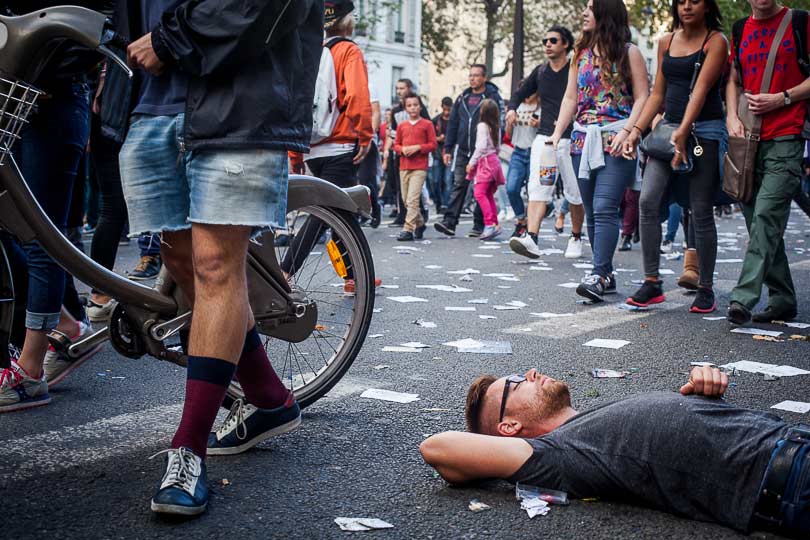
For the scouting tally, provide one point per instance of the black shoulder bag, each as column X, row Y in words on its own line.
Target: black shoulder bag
column 658, row 144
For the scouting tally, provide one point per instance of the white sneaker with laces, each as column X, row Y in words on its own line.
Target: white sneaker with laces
column 574, row 249
column 525, row 246
column 59, row 365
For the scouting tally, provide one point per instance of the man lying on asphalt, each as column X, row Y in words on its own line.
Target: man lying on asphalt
column 689, row 453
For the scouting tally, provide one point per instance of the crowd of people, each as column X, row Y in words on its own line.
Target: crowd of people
column 581, row 125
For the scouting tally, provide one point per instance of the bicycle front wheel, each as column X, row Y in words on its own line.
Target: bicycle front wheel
column 327, row 257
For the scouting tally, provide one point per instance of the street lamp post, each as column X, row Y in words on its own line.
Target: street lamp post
column 517, row 46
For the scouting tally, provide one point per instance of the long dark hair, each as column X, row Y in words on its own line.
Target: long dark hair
column 714, row 19
column 491, row 116
column 610, row 37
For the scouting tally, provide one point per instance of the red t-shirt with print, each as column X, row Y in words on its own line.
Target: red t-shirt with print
column 755, row 43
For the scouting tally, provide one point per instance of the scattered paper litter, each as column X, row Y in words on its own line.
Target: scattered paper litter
column 415, row 345
column 459, row 308
column 466, row 342
column 499, row 275
column 547, row 268
column 381, row 366
column 624, row 269
column 433, row 267
column 376, row 310
column 389, row 286
column 517, row 303
column 547, row 315
column 406, row 248
column 799, row 325
column 490, row 246
column 714, row 318
column 584, row 266
column 768, row 338
column 607, row 343
column 509, row 278
column 389, row 395
column 465, row 277
column 756, row 332
column 477, row 506
column 552, row 251
column 665, row 272
column 406, row 299
column 465, row 271
column 701, row 364
column 374, row 335
column 424, row 324
column 487, row 317
column 630, row 307
column 505, row 308
column 483, row 255
column 534, row 507
column 608, row 374
column 504, row 286
column 361, row 524
column 568, row 285
column 769, row 369
column 475, row 346
column 793, row 406
column 445, row 288
column 728, row 261
column 396, row 348
column 478, row 301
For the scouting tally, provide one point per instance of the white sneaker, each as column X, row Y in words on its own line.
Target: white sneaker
column 666, row 247
column 57, row 363
column 574, row 249
column 525, row 246
column 100, row 312
column 490, row 232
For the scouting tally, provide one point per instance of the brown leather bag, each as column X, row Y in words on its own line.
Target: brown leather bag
column 738, row 173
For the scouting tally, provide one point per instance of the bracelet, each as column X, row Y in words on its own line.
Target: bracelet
column 638, row 128
column 627, row 130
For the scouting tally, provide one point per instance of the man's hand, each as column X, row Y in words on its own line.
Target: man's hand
column 448, row 159
column 706, row 381
column 361, row 154
column 511, row 118
column 734, row 125
column 765, row 103
column 140, row 54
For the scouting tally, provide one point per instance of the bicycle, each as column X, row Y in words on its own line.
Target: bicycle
column 312, row 330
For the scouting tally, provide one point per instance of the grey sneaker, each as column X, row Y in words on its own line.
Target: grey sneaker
column 20, row 391
column 525, row 246
column 58, row 364
column 100, row 312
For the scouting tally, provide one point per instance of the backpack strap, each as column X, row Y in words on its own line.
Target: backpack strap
column 736, row 37
column 332, row 41
column 800, row 21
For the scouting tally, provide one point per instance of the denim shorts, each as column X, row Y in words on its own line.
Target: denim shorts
column 168, row 188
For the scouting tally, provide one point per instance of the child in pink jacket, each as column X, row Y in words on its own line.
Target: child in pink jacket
column 484, row 167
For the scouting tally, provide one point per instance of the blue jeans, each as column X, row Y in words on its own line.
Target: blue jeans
column 440, row 182
column 674, row 221
column 516, row 178
column 602, row 195
column 563, row 207
column 149, row 245
column 52, row 146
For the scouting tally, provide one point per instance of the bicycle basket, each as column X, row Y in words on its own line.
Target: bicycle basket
column 16, row 103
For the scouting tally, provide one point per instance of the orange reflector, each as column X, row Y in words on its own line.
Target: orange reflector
column 337, row 259
column 320, row 327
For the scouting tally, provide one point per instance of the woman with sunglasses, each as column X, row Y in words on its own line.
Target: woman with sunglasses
column 692, row 58
column 607, row 88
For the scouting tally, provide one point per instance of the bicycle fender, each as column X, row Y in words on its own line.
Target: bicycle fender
column 310, row 191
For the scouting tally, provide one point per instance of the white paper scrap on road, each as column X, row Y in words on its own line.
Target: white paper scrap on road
column 396, row 348
column 466, row 343
column 569, row 285
column 478, row 301
column 607, row 343
column 424, row 324
column 465, row 277
column 483, row 255
column 499, row 275
column 465, row 271
column 504, row 286
column 624, row 269
column 799, row 325
column 505, row 308
column 547, row 315
column 728, row 261
column 552, row 251
column 459, row 308
column 381, row 366
column 389, row 286
column 714, row 318
column 445, row 288
column 361, row 524
column 665, row 272
column 584, row 266
column 792, row 406
column 374, row 335
column 477, row 506
column 701, row 364
column 766, row 369
column 415, row 345
column 488, row 347
column 512, row 278
column 547, row 268
column 489, row 246
column 517, row 303
column 487, row 317
column 406, row 299
column 756, row 332
column 389, row 395
column 433, row 267
column 406, row 248
column 534, row 507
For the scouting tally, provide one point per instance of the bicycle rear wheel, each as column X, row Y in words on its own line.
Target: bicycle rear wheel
column 311, row 368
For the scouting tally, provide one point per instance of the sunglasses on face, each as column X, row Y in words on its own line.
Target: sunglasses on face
column 551, row 40
column 510, row 380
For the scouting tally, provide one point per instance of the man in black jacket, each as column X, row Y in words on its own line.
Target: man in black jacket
column 227, row 91
column 459, row 145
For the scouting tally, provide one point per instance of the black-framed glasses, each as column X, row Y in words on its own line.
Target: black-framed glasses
column 510, row 380
column 551, row 40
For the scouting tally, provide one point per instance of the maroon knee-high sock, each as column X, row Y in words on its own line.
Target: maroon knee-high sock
column 262, row 386
column 207, row 379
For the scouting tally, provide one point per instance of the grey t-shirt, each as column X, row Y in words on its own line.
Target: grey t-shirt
column 698, row 457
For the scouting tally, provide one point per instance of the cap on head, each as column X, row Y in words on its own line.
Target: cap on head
column 334, row 10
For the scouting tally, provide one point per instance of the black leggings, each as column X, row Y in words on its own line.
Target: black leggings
column 658, row 177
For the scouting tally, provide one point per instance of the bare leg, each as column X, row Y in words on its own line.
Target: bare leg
column 534, row 216
column 577, row 212
column 36, row 344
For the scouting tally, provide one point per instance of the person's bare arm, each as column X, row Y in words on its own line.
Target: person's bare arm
column 462, row 457
column 733, row 123
column 375, row 116
column 641, row 91
column 706, row 381
column 568, row 106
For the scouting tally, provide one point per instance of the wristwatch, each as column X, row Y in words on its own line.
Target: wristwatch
column 787, row 98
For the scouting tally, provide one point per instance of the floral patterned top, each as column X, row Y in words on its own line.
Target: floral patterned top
column 597, row 103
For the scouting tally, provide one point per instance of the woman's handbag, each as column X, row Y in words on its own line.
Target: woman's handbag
column 738, row 176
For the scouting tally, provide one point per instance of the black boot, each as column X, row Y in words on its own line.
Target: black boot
column 627, row 243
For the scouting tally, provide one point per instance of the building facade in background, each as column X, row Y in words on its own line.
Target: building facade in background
column 390, row 33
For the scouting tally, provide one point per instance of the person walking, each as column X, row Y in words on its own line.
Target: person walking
column 606, row 92
column 460, row 143
column 549, row 82
column 441, row 177
column 692, row 58
column 521, row 128
column 484, row 167
column 218, row 183
column 415, row 140
column 778, row 163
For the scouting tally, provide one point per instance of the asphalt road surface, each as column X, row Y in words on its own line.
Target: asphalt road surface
column 80, row 468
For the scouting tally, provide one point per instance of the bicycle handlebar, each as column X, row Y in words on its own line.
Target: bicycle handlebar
column 25, row 38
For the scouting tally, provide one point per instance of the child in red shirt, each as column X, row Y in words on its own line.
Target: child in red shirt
column 415, row 140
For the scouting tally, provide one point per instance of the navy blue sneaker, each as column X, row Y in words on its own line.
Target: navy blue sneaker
column 184, row 488
column 246, row 426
